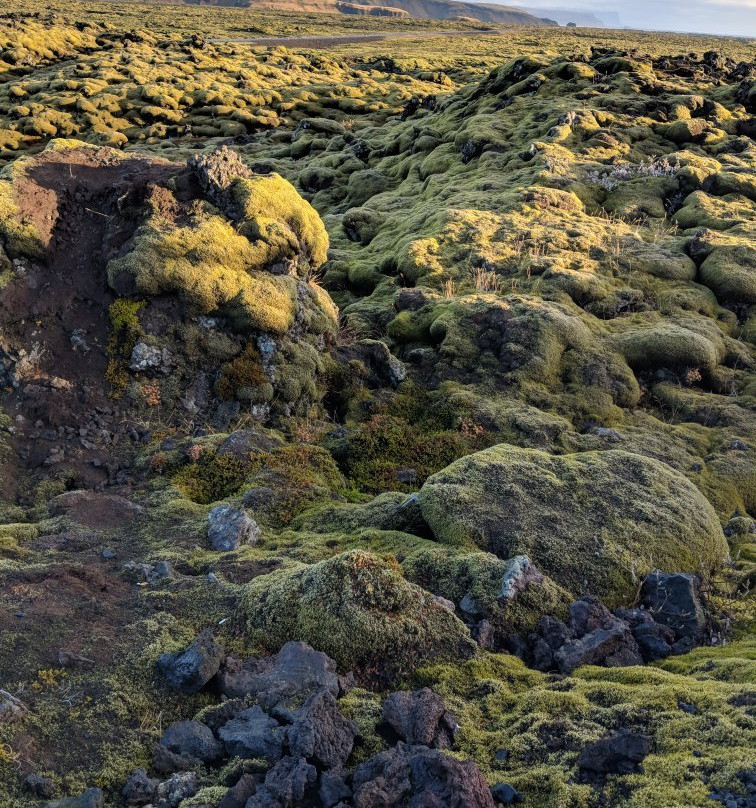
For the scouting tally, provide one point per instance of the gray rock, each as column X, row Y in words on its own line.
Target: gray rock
column 240, row 792
column 42, row 787
column 619, row 754
column 444, row 603
column 470, row 608
column 216, row 172
column 519, row 573
column 285, row 785
column 253, row 734
column 150, row 357
column 192, row 740
column 140, row 789
column 91, row 798
column 333, row 789
column 418, row 776
column 420, row 717
column 674, row 600
column 244, row 442
column 229, row 527
column 613, row 647
column 286, row 677
column 172, row 791
column 163, row 569
column 505, row 794
column 190, row 670
column 320, row 733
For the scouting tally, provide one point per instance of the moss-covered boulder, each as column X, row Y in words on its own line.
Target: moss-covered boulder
column 483, row 586
column 594, row 521
column 358, row 609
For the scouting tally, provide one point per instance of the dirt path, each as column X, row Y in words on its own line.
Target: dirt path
column 345, row 39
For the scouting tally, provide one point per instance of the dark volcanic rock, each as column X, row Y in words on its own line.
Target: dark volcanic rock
column 332, row 789
column 654, row 639
column 176, row 788
column 619, row 754
column 674, row 599
column 190, row 670
column 39, row 786
column 193, row 742
column 600, row 638
column 253, row 734
column 505, row 794
column 320, row 732
column 91, row 798
column 294, row 672
column 594, row 636
column 420, row 717
column 285, row 785
column 240, row 792
column 140, row 789
column 216, row 173
column 418, row 776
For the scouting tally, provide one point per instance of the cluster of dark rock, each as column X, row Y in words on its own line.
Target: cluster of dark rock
column 278, row 738
column 281, row 724
column 670, row 619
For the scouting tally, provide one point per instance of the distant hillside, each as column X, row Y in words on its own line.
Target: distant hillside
column 422, row 9
column 584, row 18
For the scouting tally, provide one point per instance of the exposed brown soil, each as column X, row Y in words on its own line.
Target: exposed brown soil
column 57, row 311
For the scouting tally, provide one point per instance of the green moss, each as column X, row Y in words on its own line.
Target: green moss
column 671, row 342
column 730, row 272
column 124, row 334
column 279, row 223
column 212, row 268
column 390, row 453
column 479, row 577
column 244, row 378
column 212, row 477
column 544, row 725
column 626, row 515
column 356, row 608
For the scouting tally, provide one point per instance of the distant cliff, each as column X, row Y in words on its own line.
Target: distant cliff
column 491, row 13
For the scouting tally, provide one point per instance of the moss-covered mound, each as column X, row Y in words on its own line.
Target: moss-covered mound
column 358, row 609
column 212, row 301
column 595, row 521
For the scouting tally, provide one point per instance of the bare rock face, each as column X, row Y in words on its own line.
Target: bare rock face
column 253, row 734
column 216, row 172
column 288, row 676
column 185, row 745
column 619, row 754
column 286, row 784
column 674, row 600
column 320, row 732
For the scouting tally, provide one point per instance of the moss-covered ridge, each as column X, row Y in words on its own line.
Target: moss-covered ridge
column 549, row 248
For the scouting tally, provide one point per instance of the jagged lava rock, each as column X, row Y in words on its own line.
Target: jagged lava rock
column 190, row 670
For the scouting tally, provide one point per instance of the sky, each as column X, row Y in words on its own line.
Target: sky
column 733, row 17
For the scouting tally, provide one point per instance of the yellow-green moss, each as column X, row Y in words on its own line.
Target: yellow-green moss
column 595, row 520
